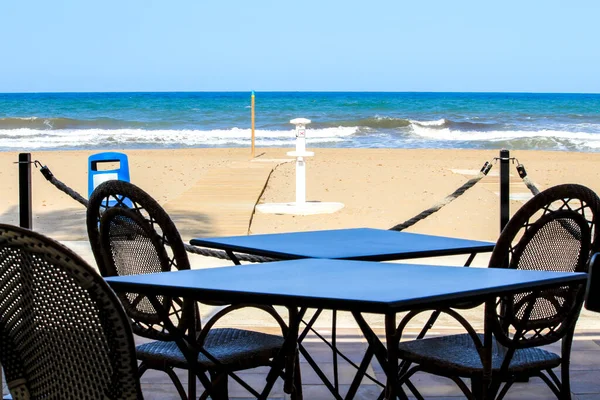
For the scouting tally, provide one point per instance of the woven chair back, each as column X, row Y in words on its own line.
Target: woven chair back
column 64, row 333
column 555, row 231
column 138, row 240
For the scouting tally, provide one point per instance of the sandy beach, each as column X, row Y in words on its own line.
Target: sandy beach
column 379, row 188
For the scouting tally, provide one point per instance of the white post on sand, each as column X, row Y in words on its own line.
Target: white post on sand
column 300, row 153
column 300, row 206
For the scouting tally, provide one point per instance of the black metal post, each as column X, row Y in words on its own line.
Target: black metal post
column 25, row 217
column 504, row 188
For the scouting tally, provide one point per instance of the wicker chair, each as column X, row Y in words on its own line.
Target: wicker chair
column 64, row 333
column 556, row 230
column 143, row 239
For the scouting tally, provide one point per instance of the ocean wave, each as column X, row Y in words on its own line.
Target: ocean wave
column 432, row 135
column 448, row 134
column 376, row 122
column 40, row 123
column 457, row 125
column 438, row 122
column 74, row 139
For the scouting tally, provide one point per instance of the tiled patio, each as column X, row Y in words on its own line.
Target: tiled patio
column 585, row 374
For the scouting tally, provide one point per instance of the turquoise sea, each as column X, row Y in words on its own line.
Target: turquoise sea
column 49, row 121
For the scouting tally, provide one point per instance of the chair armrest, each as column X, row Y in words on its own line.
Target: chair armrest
column 460, row 319
column 213, row 320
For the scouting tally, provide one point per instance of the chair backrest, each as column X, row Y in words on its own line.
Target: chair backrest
column 63, row 331
column 137, row 240
column 556, row 231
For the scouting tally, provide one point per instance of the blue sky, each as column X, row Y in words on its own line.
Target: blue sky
column 377, row 45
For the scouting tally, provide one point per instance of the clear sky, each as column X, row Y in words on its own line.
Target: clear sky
column 309, row 45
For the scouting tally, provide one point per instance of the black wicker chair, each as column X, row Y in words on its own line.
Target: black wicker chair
column 556, row 230
column 135, row 236
column 63, row 332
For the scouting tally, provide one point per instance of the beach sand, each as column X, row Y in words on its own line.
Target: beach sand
column 379, row 187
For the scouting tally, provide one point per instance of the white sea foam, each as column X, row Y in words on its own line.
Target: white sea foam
column 53, row 139
column 439, row 122
column 447, row 134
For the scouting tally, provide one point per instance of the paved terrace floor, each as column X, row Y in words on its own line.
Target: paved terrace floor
column 584, row 375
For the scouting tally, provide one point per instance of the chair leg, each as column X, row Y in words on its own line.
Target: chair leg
column 191, row 385
column 143, row 367
column 565, row 387
column 177, row 383
column 297, row 391
column 404, row 379
column 477, row 387
column 507, row 385
column 219, row 390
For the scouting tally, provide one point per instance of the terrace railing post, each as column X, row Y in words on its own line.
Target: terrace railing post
column 25, row 217
column 504, row 188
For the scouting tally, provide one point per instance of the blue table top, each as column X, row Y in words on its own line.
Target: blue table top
column 341, row 284
column 349, row 244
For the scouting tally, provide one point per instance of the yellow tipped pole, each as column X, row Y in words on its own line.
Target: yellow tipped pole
column 252, row 119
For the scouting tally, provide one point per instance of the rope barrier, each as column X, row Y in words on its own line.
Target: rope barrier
column 250, row 258
column 448, row 199
column 523, row 174
column 62, row 187
column 223, row 255
column 188, row 247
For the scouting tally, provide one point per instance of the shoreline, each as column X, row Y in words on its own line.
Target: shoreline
column 379, row 187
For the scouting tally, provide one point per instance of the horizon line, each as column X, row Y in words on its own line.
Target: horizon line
column 296, row 91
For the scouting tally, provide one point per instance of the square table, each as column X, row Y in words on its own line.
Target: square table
column 355, row 286
column 366, row 244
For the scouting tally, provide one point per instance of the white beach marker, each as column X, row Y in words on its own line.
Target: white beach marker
column 300, row 153
column 300, row 206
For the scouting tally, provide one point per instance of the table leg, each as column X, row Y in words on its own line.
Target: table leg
column 286, row 356
column 374, row 348
column 319, row 372
column 313, row 364
column 233, row 257
column 335, row 358
column 393, row 390
column 486, row 354
column 470, row 259
column 309, row 325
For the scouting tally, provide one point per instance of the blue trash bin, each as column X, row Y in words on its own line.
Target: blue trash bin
column 97, row 175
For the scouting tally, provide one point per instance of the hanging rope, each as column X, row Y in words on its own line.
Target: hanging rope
column 188, row 247
column 250, row 258
column 62, row 187
column 448, row 199
column 223, row 255
column 523, row 174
